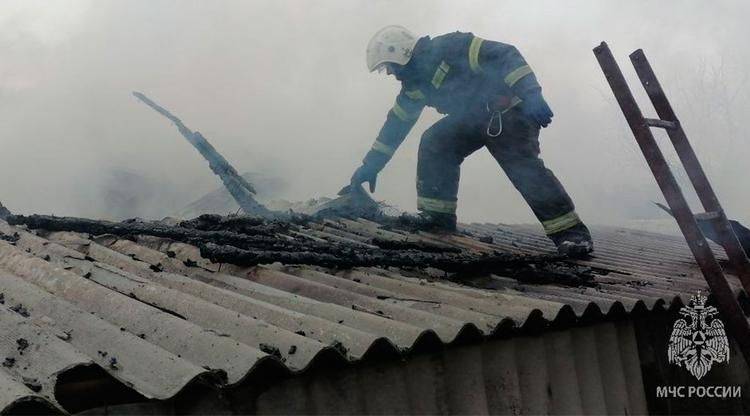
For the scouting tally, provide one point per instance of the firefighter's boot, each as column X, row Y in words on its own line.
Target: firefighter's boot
column 573, row 242
column 430, row 221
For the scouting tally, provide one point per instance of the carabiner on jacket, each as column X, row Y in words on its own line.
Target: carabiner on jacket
column 497, row 118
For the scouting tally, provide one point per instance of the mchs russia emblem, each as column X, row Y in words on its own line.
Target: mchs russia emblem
column 698, row 339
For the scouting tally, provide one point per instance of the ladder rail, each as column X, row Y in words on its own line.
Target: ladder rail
column 736, row 254
column 730, row 308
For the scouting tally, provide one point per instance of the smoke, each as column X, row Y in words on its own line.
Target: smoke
column 280, row 87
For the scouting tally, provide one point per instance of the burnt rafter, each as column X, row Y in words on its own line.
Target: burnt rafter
column 263, row 242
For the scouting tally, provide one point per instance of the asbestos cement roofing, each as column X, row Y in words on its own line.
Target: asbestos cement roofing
column 157, row 317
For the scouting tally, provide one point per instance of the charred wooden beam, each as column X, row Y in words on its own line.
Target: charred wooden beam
column 222, row 246
column 241, row 224
column 240, row 189
column 412, row 245
column 132, row 228
column 244, row 233
column 525, row 269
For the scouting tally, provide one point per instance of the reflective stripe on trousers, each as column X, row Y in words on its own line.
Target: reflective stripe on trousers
column 436, row 205
column 561, row 223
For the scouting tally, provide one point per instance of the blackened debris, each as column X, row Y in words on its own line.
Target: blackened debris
column 113, row 363
column 21, row 310
column 4, row 213
column 292, row 349
column 302, row 333
column 254, row 242
column 527, row 269
column 638, row 283
column 486, row 239
column 413, row 245
column 21, row 345
column 156, row 267
column 2, row 298
column 242, row 224
column 270, row 350
column 97, row 227
column 562, row 273
column 551, row 272
column 12, row 239
column 9, row 362
column 33, row 384
column 171, row 254
column 190, row 263
column 338, row 346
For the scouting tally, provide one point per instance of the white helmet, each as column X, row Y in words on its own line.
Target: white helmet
column 391, row 44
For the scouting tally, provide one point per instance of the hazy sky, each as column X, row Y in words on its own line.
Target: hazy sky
column 281, row 87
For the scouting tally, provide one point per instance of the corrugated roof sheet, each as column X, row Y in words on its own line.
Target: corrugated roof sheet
column 155, row 315
column 591, row 370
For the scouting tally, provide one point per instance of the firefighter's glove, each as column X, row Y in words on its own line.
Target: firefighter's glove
column 535, row 108
column 365, row 173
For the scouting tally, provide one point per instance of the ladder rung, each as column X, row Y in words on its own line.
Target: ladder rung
column 664, row 124
column 711, row 215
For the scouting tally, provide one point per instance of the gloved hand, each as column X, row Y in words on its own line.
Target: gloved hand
column 365, row 173
column 535, row 108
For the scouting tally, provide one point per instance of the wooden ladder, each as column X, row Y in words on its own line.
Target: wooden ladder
column 728, row 305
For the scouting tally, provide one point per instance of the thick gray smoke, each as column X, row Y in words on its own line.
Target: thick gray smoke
column 280, row 87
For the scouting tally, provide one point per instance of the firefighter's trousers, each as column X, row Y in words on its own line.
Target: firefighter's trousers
column 448, row 142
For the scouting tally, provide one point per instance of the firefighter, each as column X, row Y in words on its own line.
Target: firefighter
column 491, row 99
